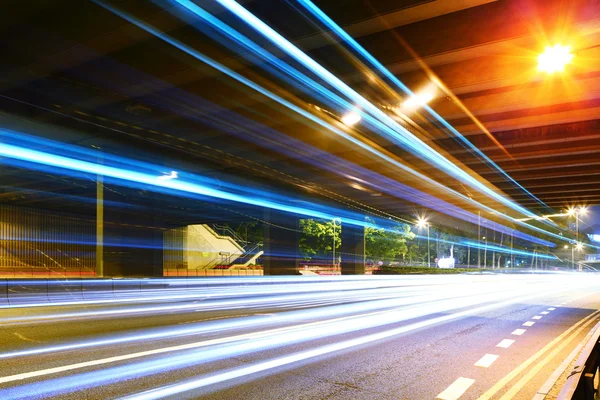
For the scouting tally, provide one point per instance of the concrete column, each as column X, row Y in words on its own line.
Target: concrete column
column 99, row 226
column 353, row 250
column 281, row 236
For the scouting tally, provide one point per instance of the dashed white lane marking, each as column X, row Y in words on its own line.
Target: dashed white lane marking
column 518, row 332
column 529, row 323
column 551, row 309
column 544, row 312
column 537, row 317
column 457, row 389
column 486, row 360
column 505, row 343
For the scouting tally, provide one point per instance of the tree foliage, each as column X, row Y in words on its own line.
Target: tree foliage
column 318, row 238
column 387, row 244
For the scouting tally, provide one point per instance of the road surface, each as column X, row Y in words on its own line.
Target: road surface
column 374, row 337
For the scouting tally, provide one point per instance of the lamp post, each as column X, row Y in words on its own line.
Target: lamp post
column 576, row 211
column 478, row 239
column 579, row 247
column 485, row 253
column 333, row 236
column 422, row 223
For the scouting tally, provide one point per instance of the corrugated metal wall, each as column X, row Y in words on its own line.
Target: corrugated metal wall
column 175, row 245
column 48, row 240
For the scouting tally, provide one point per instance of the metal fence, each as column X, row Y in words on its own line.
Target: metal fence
column 582, row 382
column 45, row 243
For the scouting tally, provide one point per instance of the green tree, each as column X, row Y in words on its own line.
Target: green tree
column 318, row 238
column 387, row 244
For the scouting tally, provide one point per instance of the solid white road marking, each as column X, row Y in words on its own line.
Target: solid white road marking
column 505, row 343
column 457, row 389
column 537, row 317
column 551, row 309
column 518, row 332
column 544, row 312
column 486, row 360
column 529, row 323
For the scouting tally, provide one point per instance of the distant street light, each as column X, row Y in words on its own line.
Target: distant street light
column 422, row 223
column 554, row 58
column 576, row 212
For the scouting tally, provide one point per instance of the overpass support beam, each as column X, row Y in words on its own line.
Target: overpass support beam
column 280, row 246
column 353, row 250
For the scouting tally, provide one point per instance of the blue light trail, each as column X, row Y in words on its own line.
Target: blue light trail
column 329, row 23
column 394, row 130
column 311, row 117
column 491, row 293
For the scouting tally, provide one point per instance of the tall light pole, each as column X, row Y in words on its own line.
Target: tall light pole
column 485, row 253
column 422, row 223
column 478, row 239
column 333, row 236
column 576, row 211
column 579, row 248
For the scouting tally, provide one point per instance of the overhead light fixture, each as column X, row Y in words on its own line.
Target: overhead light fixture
column 418, row 100
column 172, row 175
column 554, row 58
column 351, row 118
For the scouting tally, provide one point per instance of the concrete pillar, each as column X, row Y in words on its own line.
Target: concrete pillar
column 133, row 239
column 353, row 250
column 280, row 246
column 100, row 226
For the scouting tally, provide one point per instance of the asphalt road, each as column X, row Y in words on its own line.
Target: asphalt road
column 378, row 337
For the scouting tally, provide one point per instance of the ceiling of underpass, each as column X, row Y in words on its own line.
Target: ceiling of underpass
column 75, row 72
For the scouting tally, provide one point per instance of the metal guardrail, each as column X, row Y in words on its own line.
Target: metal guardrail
column 582, row 382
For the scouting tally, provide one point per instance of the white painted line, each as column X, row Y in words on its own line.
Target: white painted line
column 518, row 332
column 537, row 317
column 505, row 343
column 486, row 360
column 457, row 389
column 551, row 309
column 544, row 312
column 529, row 323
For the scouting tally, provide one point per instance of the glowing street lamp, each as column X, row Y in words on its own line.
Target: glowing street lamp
column 576, row 212
column 423, row 223
column 554, row 58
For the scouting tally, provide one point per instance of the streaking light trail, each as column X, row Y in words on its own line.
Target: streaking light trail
column 330, row 24
column 464, row 299
column 393, row 129
column 313, row 118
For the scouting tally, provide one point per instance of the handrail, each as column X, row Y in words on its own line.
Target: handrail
column 580, row 382
column 228, row 238
column 227, row 229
